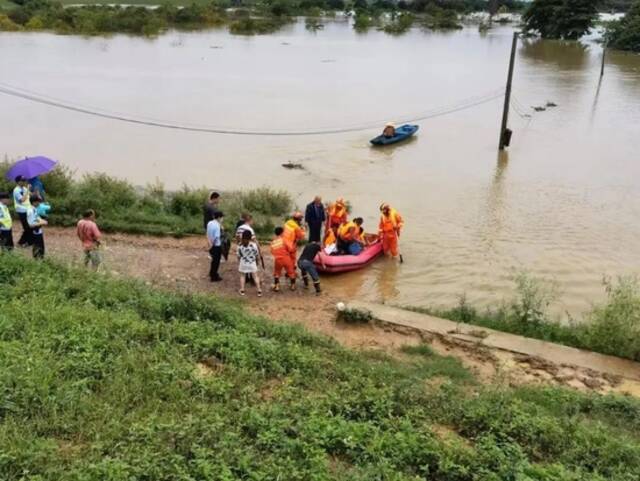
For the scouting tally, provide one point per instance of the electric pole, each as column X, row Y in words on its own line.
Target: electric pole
column 505, row 133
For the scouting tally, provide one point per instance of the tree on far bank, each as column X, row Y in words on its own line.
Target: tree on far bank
column 624, row 34
column 562, row 19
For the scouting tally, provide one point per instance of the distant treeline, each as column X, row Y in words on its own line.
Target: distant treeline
column 243, row 17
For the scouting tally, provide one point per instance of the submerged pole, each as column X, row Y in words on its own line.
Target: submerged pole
column 505, row 135
column 604, row 55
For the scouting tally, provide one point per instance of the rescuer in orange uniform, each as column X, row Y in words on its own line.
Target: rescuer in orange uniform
column 391, row 224
column 350, row 239
column 336, row 215
column 293, row 232
column 281, row 252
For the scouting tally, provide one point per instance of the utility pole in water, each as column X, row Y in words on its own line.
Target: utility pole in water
column 505, row 133
column 604, row 55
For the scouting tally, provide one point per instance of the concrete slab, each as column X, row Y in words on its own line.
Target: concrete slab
column 555, row 353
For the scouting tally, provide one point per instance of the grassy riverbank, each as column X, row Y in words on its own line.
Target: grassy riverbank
column 152, row 210
column 611, row 328
column 109, row 379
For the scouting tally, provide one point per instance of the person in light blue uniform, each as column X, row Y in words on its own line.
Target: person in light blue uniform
column 36, row 223
column 22, row 204
column 214, row 238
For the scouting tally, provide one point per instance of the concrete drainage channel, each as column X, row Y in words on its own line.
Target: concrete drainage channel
column 480, row 336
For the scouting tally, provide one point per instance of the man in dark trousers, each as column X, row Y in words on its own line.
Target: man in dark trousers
column 315, row 217
column 214, row 239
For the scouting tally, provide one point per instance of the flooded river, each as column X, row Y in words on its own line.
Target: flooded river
column 564, row 203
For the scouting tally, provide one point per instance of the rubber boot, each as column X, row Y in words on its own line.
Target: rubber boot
column 305, row 280
column 292, row 284
column 317, row 287
column 276, row 284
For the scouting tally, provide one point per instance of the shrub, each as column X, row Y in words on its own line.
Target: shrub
column 624, row 34
column 7, row 24
column 614, row 328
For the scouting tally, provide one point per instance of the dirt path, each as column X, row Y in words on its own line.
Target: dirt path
column 183, row 264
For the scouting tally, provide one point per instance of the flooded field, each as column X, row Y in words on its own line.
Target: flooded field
column 563, row 203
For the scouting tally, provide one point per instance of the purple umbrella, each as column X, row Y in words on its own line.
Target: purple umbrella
column 29, row 167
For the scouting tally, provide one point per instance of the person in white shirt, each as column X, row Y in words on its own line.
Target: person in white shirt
column 248, row 254
column 214, row 239
column 21, row 203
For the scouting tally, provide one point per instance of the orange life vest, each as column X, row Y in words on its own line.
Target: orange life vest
column 391, row 223
column 292, row 233
column 337, row 214
column 279, row 247
column 329, row 238
column 346, row 233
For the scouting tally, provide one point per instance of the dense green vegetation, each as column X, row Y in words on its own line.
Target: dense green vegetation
column 110, row 380
column 560, row 19
column 613, row 328
column 152, row 210
column 624, row 34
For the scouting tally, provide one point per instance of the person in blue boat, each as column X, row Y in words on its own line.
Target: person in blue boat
column 389, row 130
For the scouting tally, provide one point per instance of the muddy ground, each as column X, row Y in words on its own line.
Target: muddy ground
column 183, row 264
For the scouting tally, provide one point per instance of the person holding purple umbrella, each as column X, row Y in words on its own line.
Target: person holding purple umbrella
column 22, row 204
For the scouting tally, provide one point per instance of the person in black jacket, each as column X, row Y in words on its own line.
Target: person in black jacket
column 210, row 208
column 315, row 217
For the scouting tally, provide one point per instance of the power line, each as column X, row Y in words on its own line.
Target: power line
column 24, row 94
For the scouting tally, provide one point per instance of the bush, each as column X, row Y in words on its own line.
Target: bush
column 122, row 207
column 614, row 328
column 624, row 34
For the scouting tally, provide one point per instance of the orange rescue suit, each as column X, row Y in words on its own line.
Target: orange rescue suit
column 282, row 259
column 390, row 226
column 350, row 232
column 291, row 235
column 337, row 215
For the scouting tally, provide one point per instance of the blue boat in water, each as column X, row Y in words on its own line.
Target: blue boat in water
column 402, row 133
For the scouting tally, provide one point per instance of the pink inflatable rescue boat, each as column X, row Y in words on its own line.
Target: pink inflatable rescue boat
column 346, row 263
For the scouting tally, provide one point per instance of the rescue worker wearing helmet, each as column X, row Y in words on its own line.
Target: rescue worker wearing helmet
column 293, row 232
column 389, row 229
column 336, row 215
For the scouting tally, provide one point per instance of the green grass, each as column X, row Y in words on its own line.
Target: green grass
column 611, row 328
column 99, row 381
column 123, row 208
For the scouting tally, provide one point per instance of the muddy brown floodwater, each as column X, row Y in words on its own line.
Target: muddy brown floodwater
column 563, row 203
